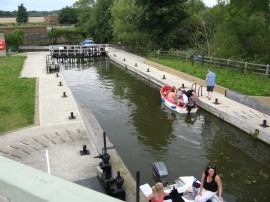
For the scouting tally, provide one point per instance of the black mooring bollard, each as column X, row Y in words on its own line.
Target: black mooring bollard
column 264, row 124
column 64, row 94
column 124, row 59
column 163, row 77
column 71, row 116
column 216, row 102
column 138, row 186
column 60, row 83
column 57, row 75
column 136, row 65
column 148, row 70
column 84, row 151
column 114, row 55
column 183, row 85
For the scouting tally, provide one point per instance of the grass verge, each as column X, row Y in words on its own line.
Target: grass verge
column 246, row 83
column 17, row 103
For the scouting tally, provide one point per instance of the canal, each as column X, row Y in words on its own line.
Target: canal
column 143, row 131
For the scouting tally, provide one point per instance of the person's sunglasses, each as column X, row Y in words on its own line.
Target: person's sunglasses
column 211, row 166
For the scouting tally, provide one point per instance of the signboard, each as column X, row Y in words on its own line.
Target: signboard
column 197, row 58
column 2, row 45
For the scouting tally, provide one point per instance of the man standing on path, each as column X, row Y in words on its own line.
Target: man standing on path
column 211, row 82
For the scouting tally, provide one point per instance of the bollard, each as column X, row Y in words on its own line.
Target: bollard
column 124, row 59
column 60, row 83
column 71, row 116
column 57, row 75
column 183, row 85
column 117, row 190
column 84, row 151
column 148, row 70
column 216, row 102
column 138, row 186
column 64, row 95
column 136, row 65
column 264, row 124
column 114, row 55
column 163, row 77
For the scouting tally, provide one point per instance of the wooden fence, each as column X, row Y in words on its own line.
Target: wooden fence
column 219, row 62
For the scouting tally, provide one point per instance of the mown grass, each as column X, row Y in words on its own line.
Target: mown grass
column 17, row 103
column 246, row 83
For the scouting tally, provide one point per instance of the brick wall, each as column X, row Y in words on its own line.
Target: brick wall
column 36, row 36
column 26, row 29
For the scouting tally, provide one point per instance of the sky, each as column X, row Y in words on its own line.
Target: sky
column 50, row 5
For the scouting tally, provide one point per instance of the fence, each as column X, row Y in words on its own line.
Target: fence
column 224, row 63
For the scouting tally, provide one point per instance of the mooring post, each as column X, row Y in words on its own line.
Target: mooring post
column 137, row 186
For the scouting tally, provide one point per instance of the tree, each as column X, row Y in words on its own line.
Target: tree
column 14, row 39
column 22, row 15
column 98, row 26
column 161, row 21
column 68, row 15
column 199, row 26
column 84, row 8
column 124, row 22
column 251, row 6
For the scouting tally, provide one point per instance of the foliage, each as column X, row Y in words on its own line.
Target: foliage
column 30, row 13
column 236, row 29
column 123, row 22
column 161, row 21
column 72, row 35
column 84, row 8
column 8, row 13
column 199, row 27
column 84, row 4
column 98, row 25
column 14, row 39
column 43, row 13
column 17, row 95
column 22, row 15
column 68, row 15
column 246, row 83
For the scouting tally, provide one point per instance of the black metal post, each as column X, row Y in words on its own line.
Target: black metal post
column 137, row 186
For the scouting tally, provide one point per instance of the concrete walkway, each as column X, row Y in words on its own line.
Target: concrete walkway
column 241, row 116
column 63, row 138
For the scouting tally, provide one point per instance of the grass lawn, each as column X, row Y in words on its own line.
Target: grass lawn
column 246, row 83
column 17, row 103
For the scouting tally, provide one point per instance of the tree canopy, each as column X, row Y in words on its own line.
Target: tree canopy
column 68, row 15
column 235, row 29
column 22, row 15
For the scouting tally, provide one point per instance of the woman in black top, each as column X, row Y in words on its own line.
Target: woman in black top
column 210, row 184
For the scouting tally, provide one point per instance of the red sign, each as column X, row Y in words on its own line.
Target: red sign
column 2, row 45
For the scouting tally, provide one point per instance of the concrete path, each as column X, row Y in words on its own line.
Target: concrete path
column 63, row 138
column 228, row 110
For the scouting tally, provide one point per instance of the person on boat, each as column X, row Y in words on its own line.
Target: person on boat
column 179, row 93
column 210, row 185
column 157, row 193
column 171, row 96
column 188, row 96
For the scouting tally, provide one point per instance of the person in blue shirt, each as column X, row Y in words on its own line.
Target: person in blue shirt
column 211, row 82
